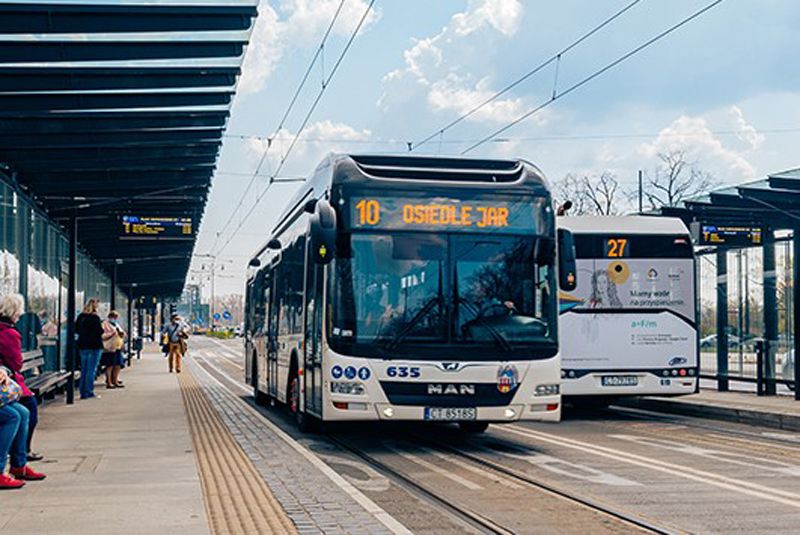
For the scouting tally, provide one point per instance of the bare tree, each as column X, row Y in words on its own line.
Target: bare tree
column 596, row 195
column 676, row 178
column 601, row 194
column 570, row 188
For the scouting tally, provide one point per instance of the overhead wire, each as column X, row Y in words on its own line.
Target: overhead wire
column 555, row 58
column 594, row 75
column 281, row 123
column 312, row 108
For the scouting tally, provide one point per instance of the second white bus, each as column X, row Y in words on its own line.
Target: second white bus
column 630, row 325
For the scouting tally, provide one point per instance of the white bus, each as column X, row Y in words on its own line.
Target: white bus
column 630, row 325
column 411, row 288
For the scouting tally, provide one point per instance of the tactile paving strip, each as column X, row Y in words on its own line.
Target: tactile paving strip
column 236, row 497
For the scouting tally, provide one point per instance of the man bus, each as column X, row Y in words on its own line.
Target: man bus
column 411, row 288
column 632, row 319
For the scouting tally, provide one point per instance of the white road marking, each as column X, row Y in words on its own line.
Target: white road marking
column 397, row 449
column 381, row 515
column 567, row 468
column 781, row 436
column 475, row 470
column 741, row 459
column 736, row 485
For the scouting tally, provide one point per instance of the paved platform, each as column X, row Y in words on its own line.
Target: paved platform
column 178, row 454
column 779, row 412
column 120, row 464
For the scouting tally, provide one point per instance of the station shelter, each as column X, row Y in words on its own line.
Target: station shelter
column 747, row 239
column 112, row 115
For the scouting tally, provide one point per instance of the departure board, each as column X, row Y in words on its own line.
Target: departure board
column 156, row 227
column 441, row 213
column 727, row 235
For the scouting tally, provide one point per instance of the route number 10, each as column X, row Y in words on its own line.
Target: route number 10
column 369, row 212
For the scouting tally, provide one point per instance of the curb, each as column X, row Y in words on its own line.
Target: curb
column 774, row 420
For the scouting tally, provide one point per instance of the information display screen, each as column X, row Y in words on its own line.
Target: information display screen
column 447, row 214
column 156, row 227
column 727, row 235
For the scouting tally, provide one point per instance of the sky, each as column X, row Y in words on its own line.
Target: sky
column 724, row 88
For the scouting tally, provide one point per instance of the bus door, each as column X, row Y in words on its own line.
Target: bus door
column 313, row 338
column 271, row 337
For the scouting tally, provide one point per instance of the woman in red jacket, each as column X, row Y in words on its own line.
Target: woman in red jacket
column 11, row 307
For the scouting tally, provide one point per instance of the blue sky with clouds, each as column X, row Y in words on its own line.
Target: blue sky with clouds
column 724, row 88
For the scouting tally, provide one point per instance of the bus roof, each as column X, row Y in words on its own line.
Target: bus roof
column 631, row 224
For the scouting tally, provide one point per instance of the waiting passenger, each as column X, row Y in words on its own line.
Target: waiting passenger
column 111, row 359
column 176, row 340
column 11, row 308
column 14, row 421
column 90, row 346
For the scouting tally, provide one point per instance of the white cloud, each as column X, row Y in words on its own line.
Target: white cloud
column 317, row 139
column 745, row 131
column 694, row 136
column 297, row 24
column 434, row 66
column 454, row 94
column 502, row 15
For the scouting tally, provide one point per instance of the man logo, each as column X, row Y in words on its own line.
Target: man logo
column 450, row 366
column 451, row 390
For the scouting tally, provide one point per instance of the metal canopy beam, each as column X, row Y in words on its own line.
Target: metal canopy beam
column 110, row 122
column 88, row 18
column 109, row 139
column 83, row 78
column 45, row 51
column 96, row 101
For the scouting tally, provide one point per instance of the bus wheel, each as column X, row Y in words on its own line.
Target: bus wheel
column 300, row 417
column 473, row 427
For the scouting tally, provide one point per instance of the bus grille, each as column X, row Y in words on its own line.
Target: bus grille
column 408, row 393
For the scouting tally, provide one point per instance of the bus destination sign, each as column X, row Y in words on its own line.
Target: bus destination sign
column 727, row 235
column 156, row 227
column 444, row 213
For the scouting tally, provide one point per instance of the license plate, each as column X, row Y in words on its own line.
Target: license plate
column 619, row 380
column 450, row 414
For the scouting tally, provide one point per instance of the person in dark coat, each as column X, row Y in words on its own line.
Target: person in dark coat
column 90, row 346
column 12, row 306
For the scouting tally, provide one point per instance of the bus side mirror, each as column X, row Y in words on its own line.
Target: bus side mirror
column 567, row 269
column 323, row 232
column 544, row 252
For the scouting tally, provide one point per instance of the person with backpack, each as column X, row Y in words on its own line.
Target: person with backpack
column 111, row 359
column 176, row 342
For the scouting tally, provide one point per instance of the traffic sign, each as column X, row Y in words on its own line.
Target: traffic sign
column 216, row 316
column 226, row 315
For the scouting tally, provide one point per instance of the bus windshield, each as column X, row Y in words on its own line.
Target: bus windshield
column 409, row 291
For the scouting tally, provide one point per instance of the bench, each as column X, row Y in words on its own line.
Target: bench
column 41, row 383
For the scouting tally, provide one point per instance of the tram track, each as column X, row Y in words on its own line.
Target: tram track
column 529, row 481
column 467, row 515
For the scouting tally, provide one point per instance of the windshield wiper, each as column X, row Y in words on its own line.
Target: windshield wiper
column 415, row 319
column 496, row 335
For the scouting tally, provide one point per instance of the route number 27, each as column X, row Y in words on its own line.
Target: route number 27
column 615, row 247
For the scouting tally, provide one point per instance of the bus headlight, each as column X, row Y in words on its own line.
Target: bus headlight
column 347, row 387
column 547, row 390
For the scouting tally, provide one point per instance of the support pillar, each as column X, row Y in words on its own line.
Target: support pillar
column 723, row 383
column 71, row 312
column 796, row 309
column 113, row 302
column 770, row 313
column 129, row 330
